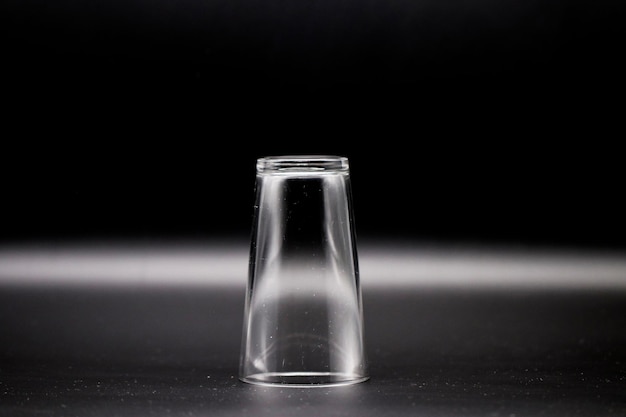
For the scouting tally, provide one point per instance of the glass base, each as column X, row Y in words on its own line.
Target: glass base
column 303, row 379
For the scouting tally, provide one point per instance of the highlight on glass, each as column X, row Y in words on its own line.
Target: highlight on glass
column 303, row 321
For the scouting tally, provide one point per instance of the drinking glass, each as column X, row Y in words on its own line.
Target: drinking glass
column 303, row 321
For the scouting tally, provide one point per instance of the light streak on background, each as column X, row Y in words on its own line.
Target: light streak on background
column 382, row 265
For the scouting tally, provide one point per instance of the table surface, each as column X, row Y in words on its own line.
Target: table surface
column 92, row 350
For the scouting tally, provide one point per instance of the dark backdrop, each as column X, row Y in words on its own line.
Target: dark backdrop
column 488, row 121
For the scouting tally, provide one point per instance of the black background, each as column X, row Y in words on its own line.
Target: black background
column 488, row 121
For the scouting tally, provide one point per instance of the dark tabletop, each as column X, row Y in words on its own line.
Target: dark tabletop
column 96, row 350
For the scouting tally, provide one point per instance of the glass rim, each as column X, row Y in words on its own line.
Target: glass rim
column 302, row 163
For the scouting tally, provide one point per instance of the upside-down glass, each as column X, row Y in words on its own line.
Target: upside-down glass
column 303, row 323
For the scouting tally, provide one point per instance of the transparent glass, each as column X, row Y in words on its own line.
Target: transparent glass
column 303, row 323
